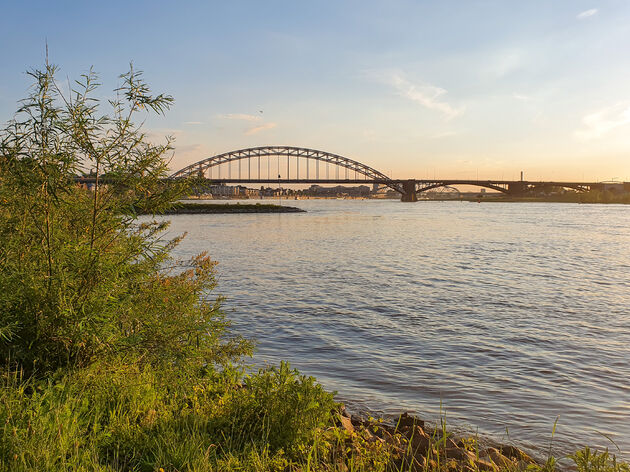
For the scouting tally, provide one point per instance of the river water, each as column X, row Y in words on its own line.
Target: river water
column 502, row 316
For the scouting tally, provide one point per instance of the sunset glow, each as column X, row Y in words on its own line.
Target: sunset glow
column 414, row 89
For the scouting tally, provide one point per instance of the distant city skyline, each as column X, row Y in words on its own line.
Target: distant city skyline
column 415, row 89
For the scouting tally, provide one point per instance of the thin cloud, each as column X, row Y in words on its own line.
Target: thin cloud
column 260, row 128
column 587, row 14
column 241, row 117
column 261, row 125
column 369, row 133
column 598, row 124
column 505, row 63
column 443, row 134
column 522, row 98
column 426, row 95
column 188, row 148
column 193, row 122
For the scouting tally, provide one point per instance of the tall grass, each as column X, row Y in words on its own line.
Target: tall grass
column 127, row 418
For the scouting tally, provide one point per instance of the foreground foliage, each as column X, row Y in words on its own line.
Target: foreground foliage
column 113, row 417
column 122, row 418
column 80, row 278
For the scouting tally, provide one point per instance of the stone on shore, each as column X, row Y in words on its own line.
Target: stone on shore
column 413, row 449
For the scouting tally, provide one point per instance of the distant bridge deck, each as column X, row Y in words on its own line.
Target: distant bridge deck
column 421, row 182
column 297, row 165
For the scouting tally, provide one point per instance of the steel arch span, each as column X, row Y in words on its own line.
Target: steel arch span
column 425, row 186
column 517, row 187
column 290, row 152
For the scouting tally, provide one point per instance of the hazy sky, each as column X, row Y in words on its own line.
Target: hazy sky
column 412, row 88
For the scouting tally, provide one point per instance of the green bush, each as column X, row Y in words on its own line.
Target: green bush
column 80, row 277
column 115, row 358
column 279, row 408
column 131, row 417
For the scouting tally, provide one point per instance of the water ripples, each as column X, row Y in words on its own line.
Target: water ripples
column 503, row 315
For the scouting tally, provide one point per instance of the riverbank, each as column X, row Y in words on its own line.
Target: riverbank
column 411, row 444
column 567, row 198
column 189, row 208
column 114, row 417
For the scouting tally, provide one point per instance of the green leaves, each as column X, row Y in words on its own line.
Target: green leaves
column 80, row 277
column 280, row 408
column 139, row 95
column 587, row 460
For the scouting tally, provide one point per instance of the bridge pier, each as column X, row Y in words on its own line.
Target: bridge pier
column 409, row 191
column 517, row 188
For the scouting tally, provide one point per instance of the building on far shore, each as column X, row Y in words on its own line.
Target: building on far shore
column 318, row 191
column 338, row 191
column 616, row 187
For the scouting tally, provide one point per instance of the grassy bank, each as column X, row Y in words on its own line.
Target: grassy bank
column 191, row 208
column 112, row 417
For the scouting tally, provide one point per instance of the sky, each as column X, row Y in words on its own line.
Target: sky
column 416, row 89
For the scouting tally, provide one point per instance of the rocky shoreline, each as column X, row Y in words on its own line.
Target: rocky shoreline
column 414, row 446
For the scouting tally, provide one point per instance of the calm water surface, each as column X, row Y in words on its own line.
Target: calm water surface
column 506, row 314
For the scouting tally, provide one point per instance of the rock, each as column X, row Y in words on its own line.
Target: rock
column 357, row 421
column 483, row 464
column 411, row 464
column 383, row 433
column 346, row 424
column 369, row 437
column 405, row 420
column 461, row 455
column 498, row 458
column 486, row 452
column 516, row 454
column 450, row 444
column 420, row 441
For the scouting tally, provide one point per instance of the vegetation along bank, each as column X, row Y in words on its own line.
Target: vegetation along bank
column 187, row 208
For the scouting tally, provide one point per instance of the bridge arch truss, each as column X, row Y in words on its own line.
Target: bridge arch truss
column 506, row 187
column 297, row 155
column 431, row 185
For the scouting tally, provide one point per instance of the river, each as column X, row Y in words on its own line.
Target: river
column 501, row 316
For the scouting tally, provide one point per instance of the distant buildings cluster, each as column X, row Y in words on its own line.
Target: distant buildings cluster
column 240, row 191
column 230, row 191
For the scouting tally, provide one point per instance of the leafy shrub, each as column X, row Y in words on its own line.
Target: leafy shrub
column 132, row 417
column 277, row 407
column 80, row 277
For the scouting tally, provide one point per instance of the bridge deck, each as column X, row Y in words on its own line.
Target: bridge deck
column 480, row 182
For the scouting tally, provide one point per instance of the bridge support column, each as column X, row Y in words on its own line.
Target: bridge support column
column 409, row 191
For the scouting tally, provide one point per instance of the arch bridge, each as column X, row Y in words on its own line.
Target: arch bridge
column 298, row 165
column 273, row 164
